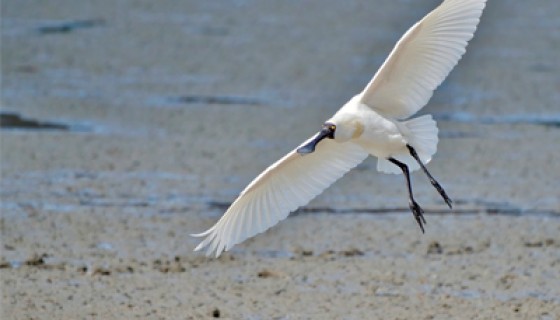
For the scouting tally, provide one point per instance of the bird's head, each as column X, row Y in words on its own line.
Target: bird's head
column 339, row 128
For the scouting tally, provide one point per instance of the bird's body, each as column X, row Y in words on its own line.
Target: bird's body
column 371, row 123
column 384, row 136
column 378, row 135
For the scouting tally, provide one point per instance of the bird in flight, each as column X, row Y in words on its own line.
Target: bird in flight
column 374, row 122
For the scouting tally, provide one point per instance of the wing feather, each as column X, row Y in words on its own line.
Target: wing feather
column 422, row 59
column 283, row 187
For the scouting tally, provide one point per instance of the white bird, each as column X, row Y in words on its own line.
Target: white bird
column 371, row 123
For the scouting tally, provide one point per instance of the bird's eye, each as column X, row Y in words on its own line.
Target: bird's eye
column 332, row 127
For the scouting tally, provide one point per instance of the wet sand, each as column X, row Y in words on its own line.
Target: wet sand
column 163, row 113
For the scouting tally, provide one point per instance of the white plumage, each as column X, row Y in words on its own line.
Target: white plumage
column 422, row 58
column 289, row 183
column 367, row 124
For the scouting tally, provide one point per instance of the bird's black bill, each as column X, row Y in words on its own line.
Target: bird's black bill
column 326, row 132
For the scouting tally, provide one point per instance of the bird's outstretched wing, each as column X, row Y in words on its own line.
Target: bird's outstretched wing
column 289, row 183
column 422, row 59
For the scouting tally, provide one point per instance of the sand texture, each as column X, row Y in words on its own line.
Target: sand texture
column 127, row 125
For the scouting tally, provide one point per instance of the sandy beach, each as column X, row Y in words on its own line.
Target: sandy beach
column 128, row 125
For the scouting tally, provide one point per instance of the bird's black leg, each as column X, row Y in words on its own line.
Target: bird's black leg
column 414, row 207
column 432, row 180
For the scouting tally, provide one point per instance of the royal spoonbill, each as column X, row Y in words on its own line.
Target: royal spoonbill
column 374, row 122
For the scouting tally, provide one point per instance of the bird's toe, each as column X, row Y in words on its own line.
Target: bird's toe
column 418, row 213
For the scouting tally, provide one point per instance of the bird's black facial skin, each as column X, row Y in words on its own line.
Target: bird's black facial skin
column 326, row 132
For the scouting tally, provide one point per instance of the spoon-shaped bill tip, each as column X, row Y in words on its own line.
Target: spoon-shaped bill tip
column 305, row 149
column 309, row 146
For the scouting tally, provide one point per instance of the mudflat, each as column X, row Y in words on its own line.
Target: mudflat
column 128, row 125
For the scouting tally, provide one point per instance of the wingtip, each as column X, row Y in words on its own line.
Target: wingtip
column 209, row 251
column 199, row 247
column 203, row 234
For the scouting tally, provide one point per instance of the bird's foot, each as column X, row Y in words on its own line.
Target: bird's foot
column 444, row 195
column 418, row 213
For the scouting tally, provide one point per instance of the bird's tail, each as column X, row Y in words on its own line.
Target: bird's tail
column 422, row 134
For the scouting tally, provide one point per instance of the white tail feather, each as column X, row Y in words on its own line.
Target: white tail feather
column 422, row 134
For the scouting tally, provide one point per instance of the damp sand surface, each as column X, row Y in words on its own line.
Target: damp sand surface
column 128, row 125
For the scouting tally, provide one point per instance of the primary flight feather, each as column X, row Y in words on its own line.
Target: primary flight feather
column 368, row 124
